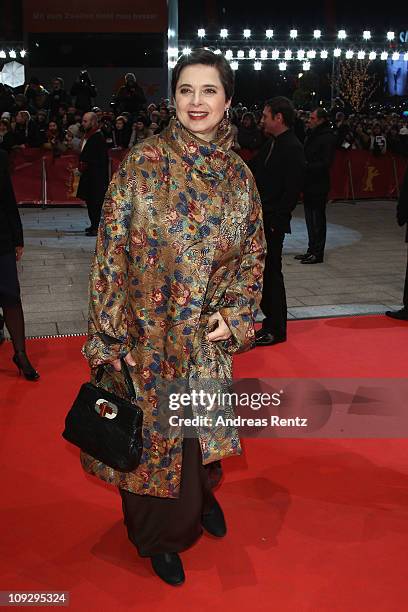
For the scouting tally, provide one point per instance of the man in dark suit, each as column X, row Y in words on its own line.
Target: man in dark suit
column 319, row 148
column 94, row 168
column 402, row 219
column 279, row 173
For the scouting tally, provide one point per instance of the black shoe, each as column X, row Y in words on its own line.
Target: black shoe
column 168, row 567
column 2, row 338
column 302, row 256
column 312, row 259
column 401, row 315
column 21, row 360
column 91, row 232
column 87, row 229
column 214, row 521
column 266, row 338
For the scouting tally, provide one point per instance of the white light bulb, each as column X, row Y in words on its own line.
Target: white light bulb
column 23, row 52
column 186, row 51
column 349, row 54
column 201, row 33
column 12, row 54
column 293, row 33
column 372, row 55
column 282, row 65
column 229, row 54
column 269, row 33
column 361, row 55
column 288, row 54
column 317, row 33
column 2, row 54
column 241, row 54
column 395, row 56
column 390, row 35
column 300, row 54
column 342, row 34
column 366, row 34
column 311, row 54
column 264, row 54
column 324, row 54
column 306, row 66
column 234, row 65
column 224, row 33
column 247, row 33
column 337, row 52
column 384, row 55
column 275, row 54
column 258, row 65
column 252, row 54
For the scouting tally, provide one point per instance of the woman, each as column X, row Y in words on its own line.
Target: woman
column 6, row 136
column 175, row 286
column 11, row 249
column 121, row 133
column 250, row 137
column 140, row 131
column 54, row 141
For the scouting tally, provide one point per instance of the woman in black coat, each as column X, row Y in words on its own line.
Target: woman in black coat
column 11, row 250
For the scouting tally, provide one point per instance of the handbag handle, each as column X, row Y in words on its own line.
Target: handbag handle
column 126, row 376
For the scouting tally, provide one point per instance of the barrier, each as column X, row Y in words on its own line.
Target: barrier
column 40, row 178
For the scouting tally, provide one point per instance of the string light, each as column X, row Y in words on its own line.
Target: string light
column 234, row 65
column 201, row 33
column 264, row 54
column 3, row 54
column 224, row 33
column 300, row 54
column 282, row 66
column 311, row 54
column 390, row 35
column 241, row 54
column 324, row 54
column 269, row 33
column 288, row 54
column 349, row 54
column 366, row 34
column 337, row 52
column 247, row 33
column 372, row 55
column 384, row 55
column 361, row 55
column 342, row 34
column 186, row 51
column 229, row 54
column 293, row 33
column 306, row 66
column 258, row 65
column 317, row 33
column 12, row 54
column 23, row 53
column 275, row 54
column 395, row 56
column 252, row 54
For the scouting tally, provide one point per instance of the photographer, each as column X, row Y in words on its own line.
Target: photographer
column 85, row 91
column 130, row 97
column 378, row 142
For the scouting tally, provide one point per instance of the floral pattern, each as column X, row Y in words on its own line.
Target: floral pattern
column 181, row 237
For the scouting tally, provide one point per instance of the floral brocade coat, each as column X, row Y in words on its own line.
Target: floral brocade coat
column 181, row 238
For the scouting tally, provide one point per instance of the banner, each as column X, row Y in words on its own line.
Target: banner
column 26, row 170
column 95, row 16
column 62, row 178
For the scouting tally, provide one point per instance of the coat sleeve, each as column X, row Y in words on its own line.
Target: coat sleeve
column 108, row 337
column 243, row 296
column 293, row 182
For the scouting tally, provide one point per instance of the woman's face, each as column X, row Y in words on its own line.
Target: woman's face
column 200, row 100
column 119, row 124
column 52, row 126
column 139, row 125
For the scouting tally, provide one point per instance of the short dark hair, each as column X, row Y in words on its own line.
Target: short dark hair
column 282, row 105
column 208, row 58
column 321, row 113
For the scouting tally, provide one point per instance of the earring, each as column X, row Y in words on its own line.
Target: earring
column 227, row 113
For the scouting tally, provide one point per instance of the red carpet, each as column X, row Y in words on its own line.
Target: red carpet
column 313, row 525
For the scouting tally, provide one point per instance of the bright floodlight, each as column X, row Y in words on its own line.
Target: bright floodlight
column 224, row 33
column 311, row 54
column 240, row 54
column 288, row 54
column 23, row 52
column 390, row 35
column 234, row 65
column 264, row 54
column 361, row 55
column 342, row 34
column 282, row 65
column 372, row 55
column 395, row 56
column 300, row 54
column 275, row 54
column 252, row 54
column 229, row 54
column 269, row 33
column 201, row 33
column 12, row 54
column 366, row 34
column 258, row 65
column 324, row 54
column 306, row 66
column 247, row 33
column 349, row 54
column 3, row 54
column 293, row 33
column 186, row 51
column 317, row 33
column 337, row 52
column 384, row 55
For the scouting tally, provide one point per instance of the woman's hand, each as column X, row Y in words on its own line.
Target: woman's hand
column 221, row 331
column 128, row 359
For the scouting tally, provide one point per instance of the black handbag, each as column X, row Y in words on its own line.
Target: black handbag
column 106, row 426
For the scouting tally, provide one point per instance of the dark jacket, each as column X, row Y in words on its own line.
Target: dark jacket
column 11, row 231
column 94, row 166
column 28, row 135
column 83, row 92
column 130, row 99
column 279, row 169
column 402, row 206
column 320, row 148
column 250, row 138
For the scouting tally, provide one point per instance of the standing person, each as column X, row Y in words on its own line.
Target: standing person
column 279, row 173
column 84, row 91
column 11, row 250
column 174, row 290
column 402, row 219
column 94, row 168
column 130, row 97
column 320, row 148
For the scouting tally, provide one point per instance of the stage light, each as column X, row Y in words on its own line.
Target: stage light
column 269, row 33
column 282, row 66
column 349, row 54
column 300, row 54
column 201, row 33
column 3, row 54
column 337, row 52
column 342, row 34
column 293, row 33
column 384, row 55
column 247, row 33
column 324, row 54
column 224, row 33
column 23, row 53
column 275, row 54
column 366, row 34
column 218, row 52
column 372, row 55
column 311, row 54
column 395, row 56
column 361, row 55
column 390, row 35
column 241, row 54
column 317, row 33
column 252, row 54
column 288, row 54
column 264, row 54
column 186, row 51
column 12, row 54
column 229, row 54
column 306, row 66
column 258, row 65
column 234, row 65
